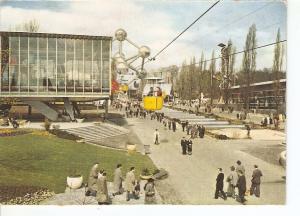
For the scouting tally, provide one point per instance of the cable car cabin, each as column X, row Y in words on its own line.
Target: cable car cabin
column 153, row 103
column 153, row 97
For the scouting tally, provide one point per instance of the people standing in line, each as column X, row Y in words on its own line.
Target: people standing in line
column 188, row 129
column 165, row 123
column 241, row 185
column 183, row 145
column 118, row 180
column 240, row 167
column 169, row 124
column 248, row 130
column 150, row 192
column 255, row 181
column 232, row 181
column 183, row 124
column 220, row 185
column 129, row 183
column 202, row 132
column 102, row 191
column 174, row 125
column 156, row 137
column 189, row 147
column 93, row 176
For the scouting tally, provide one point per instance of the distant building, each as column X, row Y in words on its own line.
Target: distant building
column 37, row 68
column 262, row 95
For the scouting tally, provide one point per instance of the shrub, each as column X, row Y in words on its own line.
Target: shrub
column 64, row 134
column 47, row 124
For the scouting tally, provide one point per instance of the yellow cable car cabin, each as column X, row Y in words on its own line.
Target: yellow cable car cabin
column 153, row 98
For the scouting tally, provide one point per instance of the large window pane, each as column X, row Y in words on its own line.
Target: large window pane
column 52, row 64
column 70, row 65
column 97, row 66
column 79, row 66
column 43, row 64
column 106, row 66
column 24, row 64
column 88, row 66
column 14, row 64
column 4, row 63
column 61, row 65
column 33, row 66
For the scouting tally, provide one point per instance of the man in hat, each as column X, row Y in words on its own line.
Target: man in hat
column 240, row 167
column 255, row 181
column 183, row 145
column 220, row 184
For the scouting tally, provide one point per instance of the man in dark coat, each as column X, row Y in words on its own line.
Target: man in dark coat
column 183, row 145
column 174, row 125
column 219, row 185
column 241, row 185
column 189, row 147
column 255, row 181
column 183, row 124
column 202, row 131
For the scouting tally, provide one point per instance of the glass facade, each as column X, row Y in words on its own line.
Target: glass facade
column 49, row 64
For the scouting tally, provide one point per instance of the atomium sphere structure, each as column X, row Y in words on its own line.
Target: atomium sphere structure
column 144, row 51
column 120, row 34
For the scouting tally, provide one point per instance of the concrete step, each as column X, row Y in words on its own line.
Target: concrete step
column 96, row 132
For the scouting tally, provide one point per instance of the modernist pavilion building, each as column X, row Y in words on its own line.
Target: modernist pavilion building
column 38, row 68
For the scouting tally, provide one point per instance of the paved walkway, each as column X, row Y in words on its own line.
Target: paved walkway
column 77, row 197
column 193, row 177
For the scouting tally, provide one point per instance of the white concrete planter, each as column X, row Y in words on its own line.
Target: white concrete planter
column 80, row 120
column 74, row 182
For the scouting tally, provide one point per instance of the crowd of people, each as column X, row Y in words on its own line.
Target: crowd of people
column 97, row 185
column 236, row 180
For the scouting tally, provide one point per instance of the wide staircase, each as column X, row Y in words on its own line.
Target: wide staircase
column 101, row 134
column 208, row 122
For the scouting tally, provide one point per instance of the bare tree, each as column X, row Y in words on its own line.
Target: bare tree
column 29, row 26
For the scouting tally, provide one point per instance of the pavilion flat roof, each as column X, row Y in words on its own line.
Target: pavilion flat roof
column 53, row 35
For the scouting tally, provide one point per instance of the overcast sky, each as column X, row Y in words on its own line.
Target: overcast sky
column 156, row 22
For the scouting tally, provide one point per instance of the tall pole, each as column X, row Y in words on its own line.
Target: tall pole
column 211, row 86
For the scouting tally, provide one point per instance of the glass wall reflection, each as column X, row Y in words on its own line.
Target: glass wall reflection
column 54, row 65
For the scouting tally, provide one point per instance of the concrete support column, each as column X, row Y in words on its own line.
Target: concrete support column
column 106, row 109
column 29, row 110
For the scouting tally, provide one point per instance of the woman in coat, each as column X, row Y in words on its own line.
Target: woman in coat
column 129, row 183
column 118, row 180
column 102, row 191
column 92, row 188
column 150, row 192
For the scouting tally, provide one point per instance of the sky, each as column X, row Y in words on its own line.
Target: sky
column 155, row 23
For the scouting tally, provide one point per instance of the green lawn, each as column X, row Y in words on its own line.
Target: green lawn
column 46, row 161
